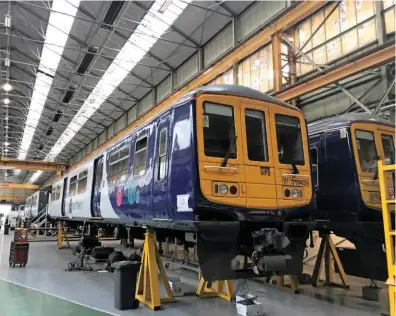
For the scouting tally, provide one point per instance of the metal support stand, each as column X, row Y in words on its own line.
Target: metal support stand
column 216, row 289
column 292, row 287
column 148, row 287
column 61, row 236
column 326, row 252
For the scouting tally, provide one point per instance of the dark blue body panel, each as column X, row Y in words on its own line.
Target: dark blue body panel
column 338, row 195
column 144, row 197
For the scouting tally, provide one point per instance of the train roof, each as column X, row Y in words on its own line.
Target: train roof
column 235, row 90
column 344, row 120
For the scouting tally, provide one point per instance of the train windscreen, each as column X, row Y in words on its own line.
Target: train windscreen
column 219, row 130
column 367, row 151
column 289, row 138
column 389, row 149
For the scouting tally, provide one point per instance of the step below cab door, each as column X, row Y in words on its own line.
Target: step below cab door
column 259, row 165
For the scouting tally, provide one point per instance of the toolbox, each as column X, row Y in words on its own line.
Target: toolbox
column 19, row 253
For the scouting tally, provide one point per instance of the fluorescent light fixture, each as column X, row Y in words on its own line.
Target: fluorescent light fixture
column 6, row 127
column 6, row 150
column 35, row 176
column 6, row 144
column 58, row 29
column 152, row 27
column 7, row 87
column 17, row 172
column 6, row 101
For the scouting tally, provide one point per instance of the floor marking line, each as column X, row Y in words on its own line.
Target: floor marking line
column 57, row 296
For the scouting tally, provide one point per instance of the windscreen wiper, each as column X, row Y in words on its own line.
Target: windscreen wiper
column 295, row 170
column 228, row 154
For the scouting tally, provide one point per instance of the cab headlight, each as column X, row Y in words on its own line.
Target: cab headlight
column 223, row 189
column 295, row 193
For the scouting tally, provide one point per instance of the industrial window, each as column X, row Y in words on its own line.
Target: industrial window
column 219, row 130
column 389, row 148
column 140, row 160
column 225, row 78
column 162, row 154
column 82, row 182
column 256, row 135
column 289, row 139
column 367, row 151
column 334, row 32
column 389, row 16
column 118, row 165
column 256, row 71
column 73, row 186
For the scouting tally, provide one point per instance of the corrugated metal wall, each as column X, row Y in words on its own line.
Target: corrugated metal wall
column 219, row 45
column 256, row 16
column 145, row 103
column 186, row 71
column 164, row 88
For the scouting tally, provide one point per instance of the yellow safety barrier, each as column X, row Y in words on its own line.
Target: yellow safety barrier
column 387, row 199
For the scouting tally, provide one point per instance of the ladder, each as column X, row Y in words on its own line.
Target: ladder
column 388, row 206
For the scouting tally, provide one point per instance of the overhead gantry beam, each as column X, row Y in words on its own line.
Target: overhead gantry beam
column 28, row 186
column 35, row 165
column 372, row 59
column 12, row 198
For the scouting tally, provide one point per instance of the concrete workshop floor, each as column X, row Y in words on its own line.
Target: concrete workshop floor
column 44, row 288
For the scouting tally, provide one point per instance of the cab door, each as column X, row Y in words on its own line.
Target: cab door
column 366, row 140
column 259, row 165
column 220, row 152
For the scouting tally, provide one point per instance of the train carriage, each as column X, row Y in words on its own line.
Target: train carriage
column 224, row 162
column 345, row 151
column 36, row 203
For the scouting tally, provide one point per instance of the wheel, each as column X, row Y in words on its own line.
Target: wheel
column 24, row 265
column 20, row 264
column 13, row 265
column 10, row 264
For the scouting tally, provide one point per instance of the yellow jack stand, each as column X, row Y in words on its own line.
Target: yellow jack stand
column 292, row 287
column 205, row 289
column 61, row 235
column 148, row 289
column 326, row 252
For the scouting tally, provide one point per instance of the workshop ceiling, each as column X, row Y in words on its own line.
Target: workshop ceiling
column 63, row 123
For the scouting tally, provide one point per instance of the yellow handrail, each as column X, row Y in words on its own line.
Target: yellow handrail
column 388, row 232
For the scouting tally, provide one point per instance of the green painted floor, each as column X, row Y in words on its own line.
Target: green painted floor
column 16, row 300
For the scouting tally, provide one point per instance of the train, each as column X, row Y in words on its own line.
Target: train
column 36, row 203
column 345, row 151
column 344, row 154
column 225, row 166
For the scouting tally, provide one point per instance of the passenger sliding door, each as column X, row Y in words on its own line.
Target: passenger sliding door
column 96, row 188
column 160, row 180
column 259, row 165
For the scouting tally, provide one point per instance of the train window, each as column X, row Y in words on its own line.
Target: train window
column 219, row 130
column 140, row 160
column 58, row 191
column 389, row 149
column 162, row 151
column 82, row 182
column 119, row 164
column 256, row 135
column 289, row 139
column 73, row 186
column 367, row 151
